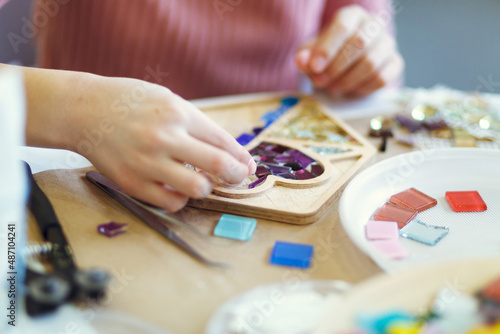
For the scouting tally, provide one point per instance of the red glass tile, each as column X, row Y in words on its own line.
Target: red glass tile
column 465, row 201
column 413, row 199
column 492, row 291
column 395, row 213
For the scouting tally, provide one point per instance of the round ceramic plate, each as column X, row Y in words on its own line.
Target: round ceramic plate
column 412, row 291
column 290, row 307
column 472, row 234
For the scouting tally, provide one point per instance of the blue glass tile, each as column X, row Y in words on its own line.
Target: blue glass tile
column 380, row 323
column 245, row 138
column 289, row 101
column 235, row 227
column 421, row 232
column 290, row 254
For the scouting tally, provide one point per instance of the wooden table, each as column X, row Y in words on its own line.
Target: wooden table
column 156, row 281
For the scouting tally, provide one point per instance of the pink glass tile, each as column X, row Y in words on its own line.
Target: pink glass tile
column 392, row 248
column 376, row 230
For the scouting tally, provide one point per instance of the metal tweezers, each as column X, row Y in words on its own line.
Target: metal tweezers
column 154, row 218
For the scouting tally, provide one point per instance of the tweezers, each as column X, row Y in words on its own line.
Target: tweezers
column 153, row 218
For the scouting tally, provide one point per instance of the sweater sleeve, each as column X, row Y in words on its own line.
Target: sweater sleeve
column 3, row 2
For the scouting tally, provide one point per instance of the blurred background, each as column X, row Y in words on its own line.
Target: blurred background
column 453, row 42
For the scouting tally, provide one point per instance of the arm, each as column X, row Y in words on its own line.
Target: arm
column 136, row 133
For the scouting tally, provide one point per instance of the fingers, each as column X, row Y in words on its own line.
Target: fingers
column 302, row 59
column 353, row 49
column 344, row 25
column 389, row 73
column 210, row 159
column 365, row 68
column 207, row 131
column 154, row 193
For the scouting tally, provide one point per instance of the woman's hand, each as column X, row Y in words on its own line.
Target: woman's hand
column 138, row 134
column 353, row 56
column 153, row 136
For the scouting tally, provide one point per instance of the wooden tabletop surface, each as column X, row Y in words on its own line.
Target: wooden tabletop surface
column 156, row 281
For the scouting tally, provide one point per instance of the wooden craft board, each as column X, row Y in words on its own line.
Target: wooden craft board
column 289, row 201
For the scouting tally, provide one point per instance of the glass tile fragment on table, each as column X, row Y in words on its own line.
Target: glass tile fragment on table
column 424, row 233
column 473, row 118
column 235, row 227
column 291, row 254
column 112, row 229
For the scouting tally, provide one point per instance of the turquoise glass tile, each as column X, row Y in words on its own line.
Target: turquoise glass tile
column 421, row 232
column 290, row 254
column 235, row 227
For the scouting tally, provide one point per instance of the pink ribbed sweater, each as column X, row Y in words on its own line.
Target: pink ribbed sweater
column 197, row 48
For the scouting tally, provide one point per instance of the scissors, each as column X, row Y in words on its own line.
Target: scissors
column 46, row 291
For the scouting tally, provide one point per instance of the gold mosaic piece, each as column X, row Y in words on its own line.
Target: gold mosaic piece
column 311, row 124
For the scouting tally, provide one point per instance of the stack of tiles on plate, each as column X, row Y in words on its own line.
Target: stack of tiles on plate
column 397, row 217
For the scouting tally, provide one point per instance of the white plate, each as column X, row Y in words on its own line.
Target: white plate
column 472, row 234
column 292, row 307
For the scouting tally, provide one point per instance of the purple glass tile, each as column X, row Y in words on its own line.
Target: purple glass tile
column 257, row 182
column 262, row 171
column 278, row 169
column 301, row 158
column 278, row 148
column 245, row 138
column 287, row 176
column 111, row 229
column 435, row 124
column 285, row 159
column 316, row 169
column 257, row 131
column 303, row 174
column 267, row 160
column 408, row 122
column 269, row 153
column 294, row 165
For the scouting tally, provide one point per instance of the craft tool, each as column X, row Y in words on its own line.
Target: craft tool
column 47, row 291
column 152, row 217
